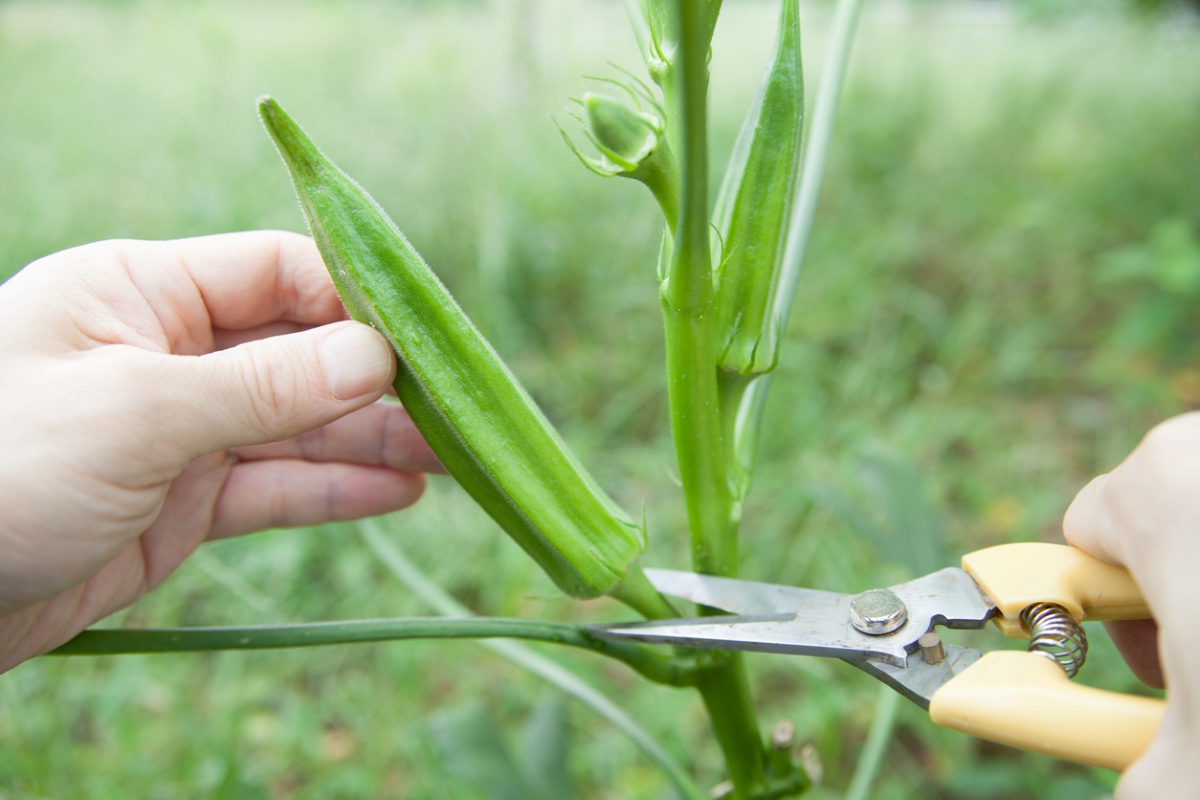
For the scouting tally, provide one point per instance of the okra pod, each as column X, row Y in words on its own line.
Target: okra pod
column 484, row 427
column 753, row 209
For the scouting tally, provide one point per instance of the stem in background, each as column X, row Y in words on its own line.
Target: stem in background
column 660, row 669
column 689, row 319
column 436, row 597
column 877, row 740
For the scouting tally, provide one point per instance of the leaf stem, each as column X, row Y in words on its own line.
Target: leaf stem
column 660, row 669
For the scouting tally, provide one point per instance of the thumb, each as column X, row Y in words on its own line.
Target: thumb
column 272, row 389
column 1088, row 523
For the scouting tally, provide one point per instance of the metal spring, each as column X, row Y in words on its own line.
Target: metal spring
column 1054, row 633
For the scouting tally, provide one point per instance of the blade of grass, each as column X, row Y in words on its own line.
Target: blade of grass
column 816, row 153
column 232, row 580
column 877, row 740
column 437, row 598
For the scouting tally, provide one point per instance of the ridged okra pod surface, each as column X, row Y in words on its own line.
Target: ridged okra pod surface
column 754, row 207
column 483, row 426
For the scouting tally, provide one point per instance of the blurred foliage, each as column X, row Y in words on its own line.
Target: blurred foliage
column 1000, row 298
column 474, row 753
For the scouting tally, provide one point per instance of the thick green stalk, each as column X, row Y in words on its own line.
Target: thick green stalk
column 689, row 316
column 103, row 642
column 688, row 310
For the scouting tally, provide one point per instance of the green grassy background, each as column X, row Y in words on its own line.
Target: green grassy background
column 999, row 300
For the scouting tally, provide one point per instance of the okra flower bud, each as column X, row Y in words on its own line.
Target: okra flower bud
column 486, row 430
column 632, row 144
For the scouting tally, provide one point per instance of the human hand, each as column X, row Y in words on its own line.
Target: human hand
column 155, row 395
column 1145, row 516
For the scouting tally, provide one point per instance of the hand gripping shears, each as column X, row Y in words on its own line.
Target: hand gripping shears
column 1023, row 699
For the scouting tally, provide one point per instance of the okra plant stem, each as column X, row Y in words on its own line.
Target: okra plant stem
column 690, row 320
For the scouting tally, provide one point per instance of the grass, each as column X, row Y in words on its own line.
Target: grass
column 989, row 313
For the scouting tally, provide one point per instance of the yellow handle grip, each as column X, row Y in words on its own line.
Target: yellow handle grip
column 1018, row 575
column 1026, row 700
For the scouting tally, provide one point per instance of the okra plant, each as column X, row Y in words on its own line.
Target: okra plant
column 727, row 272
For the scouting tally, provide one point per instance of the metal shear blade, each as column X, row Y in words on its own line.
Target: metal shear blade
column 784, row 619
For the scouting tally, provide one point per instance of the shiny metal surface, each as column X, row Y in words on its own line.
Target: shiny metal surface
column 919, row 680
column 933, row 651
column 734, row 595
column 877, row 612
column 781, row 619
column 1055, row 634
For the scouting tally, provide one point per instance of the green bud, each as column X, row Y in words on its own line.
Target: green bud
column 632, row 144
column 483, row 426
column 754, row 207
column 626, row 137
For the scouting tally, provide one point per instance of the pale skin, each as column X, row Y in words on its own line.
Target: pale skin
column 157, row 395
column 1145, row 516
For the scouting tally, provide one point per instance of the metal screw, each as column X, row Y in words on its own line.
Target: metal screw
column 931, row 648
column 878, row 611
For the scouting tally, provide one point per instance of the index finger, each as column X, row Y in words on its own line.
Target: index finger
column 245, row 280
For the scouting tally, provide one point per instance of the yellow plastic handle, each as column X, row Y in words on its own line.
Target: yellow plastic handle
column 1018, row 575
column 1026, row 700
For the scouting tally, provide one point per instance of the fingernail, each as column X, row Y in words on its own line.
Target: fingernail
column 356, row 360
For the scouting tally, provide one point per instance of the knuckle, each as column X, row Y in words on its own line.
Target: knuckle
column 1169, row 455
column 275, row 384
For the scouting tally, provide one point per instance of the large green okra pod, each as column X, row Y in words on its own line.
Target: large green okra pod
column 483, row 426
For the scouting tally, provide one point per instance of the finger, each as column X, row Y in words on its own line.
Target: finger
column 232, row 281
column 285, row 494
column 1088, row 523
column 266, row 390
column 381, row 435
column 251, row 278
column 224, row 338
column 1137, row 640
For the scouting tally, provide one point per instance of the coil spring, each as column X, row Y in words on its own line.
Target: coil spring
column 1054, row 633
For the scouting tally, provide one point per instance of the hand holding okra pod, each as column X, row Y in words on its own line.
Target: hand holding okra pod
column 159, row 394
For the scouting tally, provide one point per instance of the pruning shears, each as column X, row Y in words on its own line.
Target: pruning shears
column 1024, row 699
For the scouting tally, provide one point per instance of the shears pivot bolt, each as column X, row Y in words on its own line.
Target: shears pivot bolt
column 877, row 612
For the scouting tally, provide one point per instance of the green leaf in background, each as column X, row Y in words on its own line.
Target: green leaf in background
column 888, row 504
column 483, row 426
column 754, row 209
column 1165, row 272
column 235, row 787
column 474, row 752
column 544, row 747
